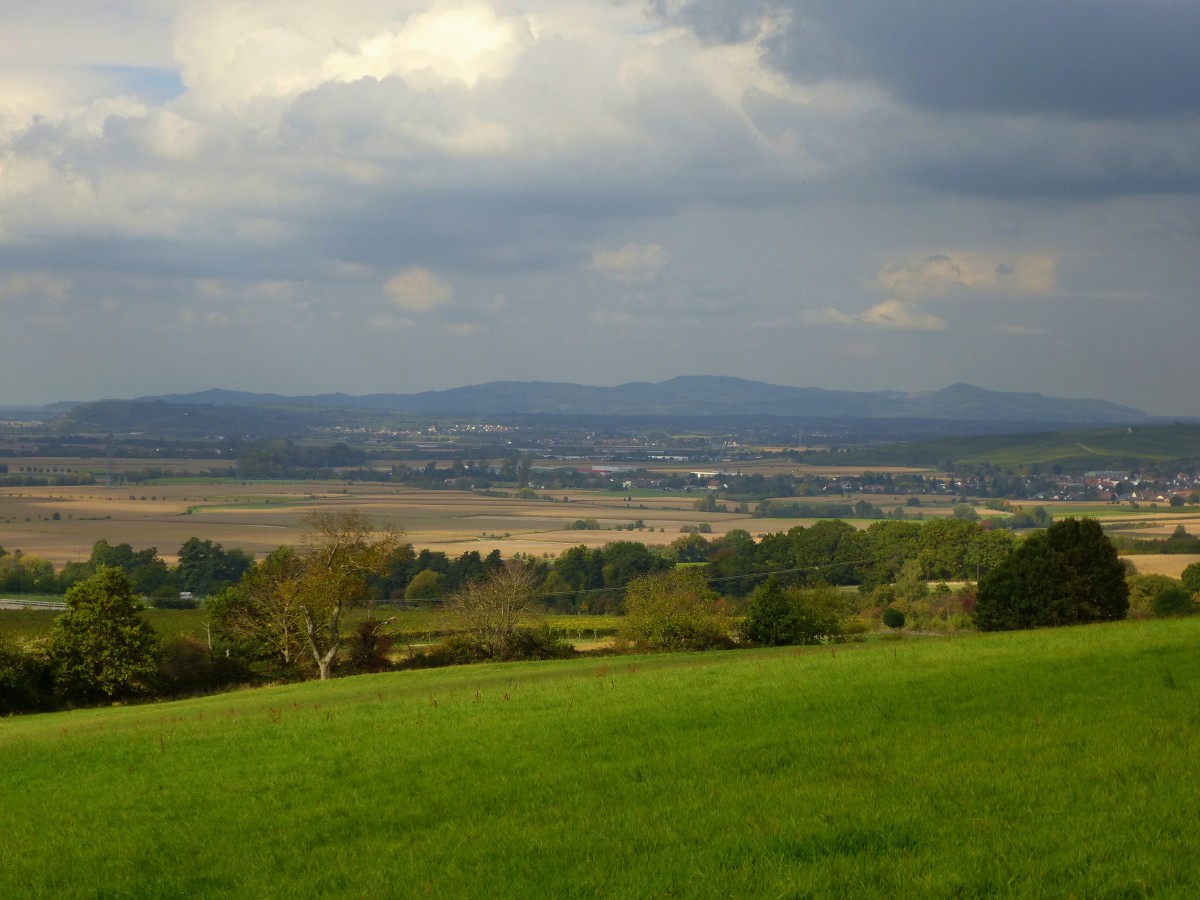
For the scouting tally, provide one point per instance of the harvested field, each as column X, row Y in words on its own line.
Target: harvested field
column 1170, row 564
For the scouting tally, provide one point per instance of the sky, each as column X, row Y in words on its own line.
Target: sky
column 393, row 196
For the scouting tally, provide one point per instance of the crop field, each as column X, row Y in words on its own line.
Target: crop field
column 62, row 523
column 1046, row 763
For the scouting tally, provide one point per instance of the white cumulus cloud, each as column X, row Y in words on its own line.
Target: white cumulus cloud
column 417, row 290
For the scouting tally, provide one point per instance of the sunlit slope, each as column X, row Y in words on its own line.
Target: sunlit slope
column 1075, row 450
column 1050, row 763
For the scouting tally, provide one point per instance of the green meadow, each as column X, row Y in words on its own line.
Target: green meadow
column 1047, row 763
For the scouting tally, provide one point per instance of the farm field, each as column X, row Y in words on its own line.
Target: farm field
column 62, row 523
column 1045, row 763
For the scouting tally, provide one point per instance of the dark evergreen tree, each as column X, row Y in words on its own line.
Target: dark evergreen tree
column 1068, row 574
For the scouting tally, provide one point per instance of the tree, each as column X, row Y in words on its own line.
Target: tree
column 1065, row 575
column 341, row 550
column 101, row 648
column 205, row 567
column 493, row 612
column 673, row 610
column 425, row 585
column 294, row 600
column 261, row 615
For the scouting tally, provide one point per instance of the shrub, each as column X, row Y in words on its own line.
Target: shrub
column 25, row 684
column 1175, row 600
column 465, row 649
column 893, row 618
column 187, row 666
column 779, row 616
column 1145, row 589
column 370, row 647
column 1191, row 578
column 673, row 610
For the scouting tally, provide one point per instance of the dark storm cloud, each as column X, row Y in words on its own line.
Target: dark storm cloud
column 1133, row 59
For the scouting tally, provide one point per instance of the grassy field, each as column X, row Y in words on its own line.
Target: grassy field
column 1049, row 763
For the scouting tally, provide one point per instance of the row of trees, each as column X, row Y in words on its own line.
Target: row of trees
column 204, row 568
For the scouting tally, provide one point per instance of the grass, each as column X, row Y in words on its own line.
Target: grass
column 1049, row 763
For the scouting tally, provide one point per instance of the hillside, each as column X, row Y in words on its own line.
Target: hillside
column 1075, row 450
column 701, row 395
column 977, row 766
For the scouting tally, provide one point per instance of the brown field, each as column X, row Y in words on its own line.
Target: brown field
column 1170, row 564
column 260, row 516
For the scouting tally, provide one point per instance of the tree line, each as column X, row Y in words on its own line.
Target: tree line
column 285, row 616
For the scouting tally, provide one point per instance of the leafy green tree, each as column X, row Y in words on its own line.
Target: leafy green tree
column 342, row 550
column 101, row 648
column 260, row 618
column 206, row 567
column 296, row 599
column 674, row 610
column 1067, row 574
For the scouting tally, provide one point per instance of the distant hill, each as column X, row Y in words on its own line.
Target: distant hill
column 699, row 395
column 1076, row 450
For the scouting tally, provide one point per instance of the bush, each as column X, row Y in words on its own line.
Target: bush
column 1175, row 600
column 1191, row 578
column 187, row 666
column 370, row 648
column 893, row 618
column 673, row 610
column 1145, row 589
column 777, row 616
column 25, row 683
column 465, row 649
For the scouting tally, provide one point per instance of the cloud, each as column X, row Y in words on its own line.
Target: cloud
column 900, row 316
column 417, row 290
column 944, row 273
column 633, row 262
column 461, row 329
column 892, row 314
column 1131, row 60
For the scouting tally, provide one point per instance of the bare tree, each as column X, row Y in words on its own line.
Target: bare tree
column 496, row 609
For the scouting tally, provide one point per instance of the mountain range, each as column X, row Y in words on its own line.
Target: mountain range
column 696, row 395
